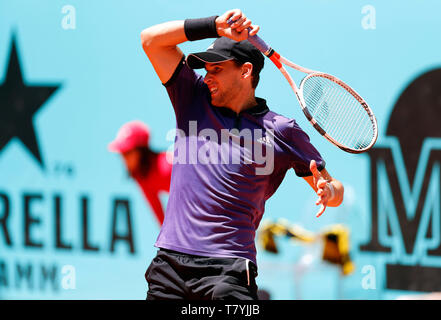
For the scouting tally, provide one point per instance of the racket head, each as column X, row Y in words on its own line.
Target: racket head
column 339, row 113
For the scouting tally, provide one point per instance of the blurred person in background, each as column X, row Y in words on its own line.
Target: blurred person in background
column 149, row 169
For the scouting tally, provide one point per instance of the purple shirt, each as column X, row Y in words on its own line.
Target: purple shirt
column 215, row 205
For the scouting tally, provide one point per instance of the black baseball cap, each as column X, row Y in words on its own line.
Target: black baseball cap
column 224, row 49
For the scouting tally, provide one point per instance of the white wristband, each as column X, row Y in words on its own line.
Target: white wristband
column 332, row 189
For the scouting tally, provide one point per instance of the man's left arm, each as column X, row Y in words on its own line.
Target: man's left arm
column 329, row 190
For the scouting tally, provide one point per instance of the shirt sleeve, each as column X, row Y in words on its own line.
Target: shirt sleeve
column 183, row 88
column 300, row 149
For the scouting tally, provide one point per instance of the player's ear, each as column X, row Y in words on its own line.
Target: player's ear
column 247, row 70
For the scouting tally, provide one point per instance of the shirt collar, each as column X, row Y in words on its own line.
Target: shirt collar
column 259, row 109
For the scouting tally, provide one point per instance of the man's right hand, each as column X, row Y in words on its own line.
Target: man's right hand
column 237, row 31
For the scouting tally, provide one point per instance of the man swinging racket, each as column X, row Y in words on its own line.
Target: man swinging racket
column 231, row 154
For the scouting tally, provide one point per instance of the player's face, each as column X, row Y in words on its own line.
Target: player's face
column 132, row 159
column 223, row 81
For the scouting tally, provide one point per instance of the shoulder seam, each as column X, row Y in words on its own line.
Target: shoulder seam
column 176, row 72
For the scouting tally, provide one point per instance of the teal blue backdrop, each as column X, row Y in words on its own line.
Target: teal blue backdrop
column 73, row 226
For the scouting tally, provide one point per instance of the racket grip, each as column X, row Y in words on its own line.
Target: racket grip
column 257, row 41
column 260, row 44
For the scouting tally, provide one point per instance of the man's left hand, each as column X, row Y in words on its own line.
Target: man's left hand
column 322, row 188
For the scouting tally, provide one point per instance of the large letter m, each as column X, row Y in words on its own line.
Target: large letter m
column 405, row 212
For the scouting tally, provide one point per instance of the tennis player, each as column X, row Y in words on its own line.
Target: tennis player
column 207, row 242
column 151, row 170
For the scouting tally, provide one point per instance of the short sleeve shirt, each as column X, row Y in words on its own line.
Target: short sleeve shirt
column 226, row 165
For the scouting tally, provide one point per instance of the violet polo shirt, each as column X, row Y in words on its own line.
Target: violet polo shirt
column 225, row 167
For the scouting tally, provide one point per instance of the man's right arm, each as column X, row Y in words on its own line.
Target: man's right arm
column 160, row 41
column 160, row 45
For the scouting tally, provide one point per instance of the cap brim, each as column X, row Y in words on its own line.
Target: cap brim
column 116, row 146
column 198, row 60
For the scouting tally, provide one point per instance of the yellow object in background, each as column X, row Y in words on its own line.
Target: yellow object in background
column 336, row 248
column 335, row 241
column 282, row 228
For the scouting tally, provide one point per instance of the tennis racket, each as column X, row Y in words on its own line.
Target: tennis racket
column 333, row 108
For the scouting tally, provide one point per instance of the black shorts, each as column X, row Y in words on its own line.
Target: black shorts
column 173, row 276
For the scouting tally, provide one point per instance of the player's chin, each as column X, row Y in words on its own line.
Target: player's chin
column 216, row 102
column 216, row 98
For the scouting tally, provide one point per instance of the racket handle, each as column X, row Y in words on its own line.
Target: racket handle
column 260, row 44
column 257, row 41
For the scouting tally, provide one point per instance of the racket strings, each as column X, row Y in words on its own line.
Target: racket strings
column 338, row 112
column 315, row 104
column 351, row 117
column 358, row 137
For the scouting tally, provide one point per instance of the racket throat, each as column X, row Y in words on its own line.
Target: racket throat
column 275, row 58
